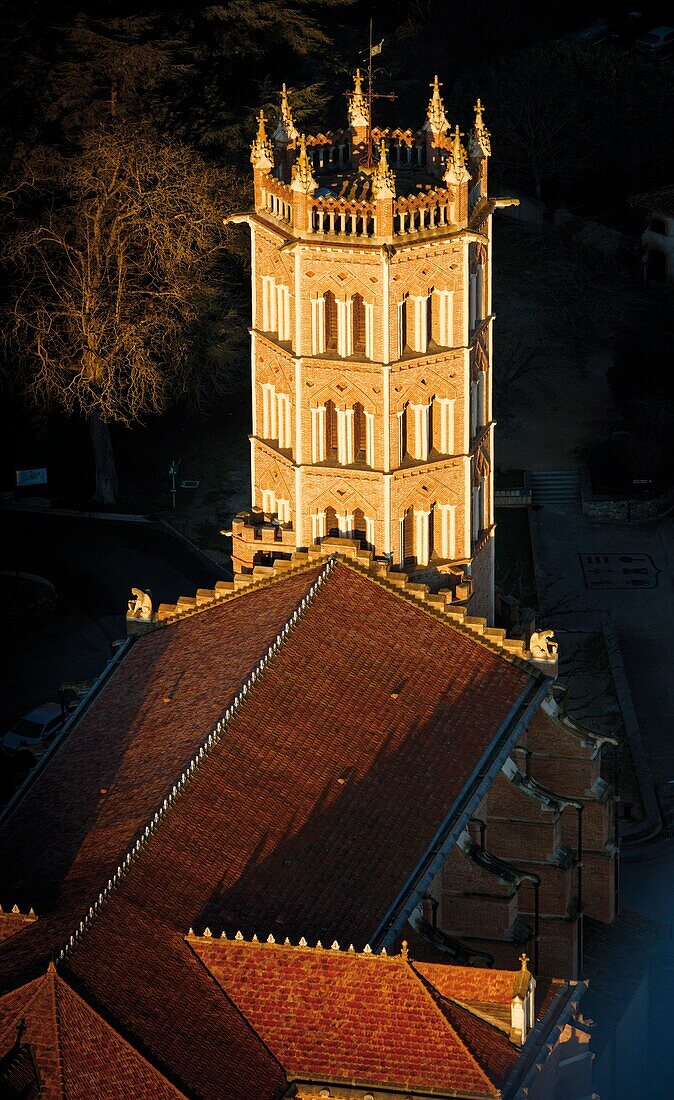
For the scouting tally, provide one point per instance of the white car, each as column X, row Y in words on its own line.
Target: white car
column 36, row 731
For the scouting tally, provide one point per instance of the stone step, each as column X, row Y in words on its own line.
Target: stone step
column 555, row 486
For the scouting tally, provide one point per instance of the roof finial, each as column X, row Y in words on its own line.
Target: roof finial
column 524, row 958
column 303, row 176
column 480, row 144
column 359, row 117
column 404, row 951
column 456, row 171
column 286, row 130
column 383, row 180
column 436, row 119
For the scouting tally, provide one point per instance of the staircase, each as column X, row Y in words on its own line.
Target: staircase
column 555, row 486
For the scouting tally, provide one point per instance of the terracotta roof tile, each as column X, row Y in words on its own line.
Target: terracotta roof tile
column 338, row 1015
column 469, row 983
column 78, row 1055
column 306, row 816
column 65, row 837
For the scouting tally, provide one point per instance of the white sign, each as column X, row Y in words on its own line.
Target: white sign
column 31, row 477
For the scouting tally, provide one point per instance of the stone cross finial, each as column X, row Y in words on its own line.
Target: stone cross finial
column 436, row 119
column 383, row 180
column 524, row 959
column 303, row 176
column 286, row 130
column 261, row 155
column 480, row 144
column 358, row 113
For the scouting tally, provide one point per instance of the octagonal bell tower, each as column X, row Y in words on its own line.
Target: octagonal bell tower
column 371, row 346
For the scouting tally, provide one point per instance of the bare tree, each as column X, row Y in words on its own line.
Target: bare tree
column 109, row 283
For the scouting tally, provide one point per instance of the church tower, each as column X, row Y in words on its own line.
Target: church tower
column 371, row 346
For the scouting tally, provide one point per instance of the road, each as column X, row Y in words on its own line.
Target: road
column 93, row 564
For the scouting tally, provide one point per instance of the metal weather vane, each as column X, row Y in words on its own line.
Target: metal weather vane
column 367, row 161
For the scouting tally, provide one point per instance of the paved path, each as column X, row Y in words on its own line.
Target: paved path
column 625, row 570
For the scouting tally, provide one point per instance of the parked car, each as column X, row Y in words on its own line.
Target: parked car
column 658, row 42
column 36, row 731
column 597, row 32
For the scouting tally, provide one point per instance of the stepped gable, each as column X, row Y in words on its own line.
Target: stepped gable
column 49, row 1035
column 335, row 1015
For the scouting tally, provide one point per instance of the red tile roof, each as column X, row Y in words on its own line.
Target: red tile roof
column 66, row 837
column 469, row 983
column 337, row 1015
column 78, row 1055
column 307, row 816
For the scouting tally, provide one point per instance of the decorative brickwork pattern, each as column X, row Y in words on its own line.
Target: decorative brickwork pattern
column 371, row 346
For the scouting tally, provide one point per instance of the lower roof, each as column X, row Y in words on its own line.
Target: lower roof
column 307, row 815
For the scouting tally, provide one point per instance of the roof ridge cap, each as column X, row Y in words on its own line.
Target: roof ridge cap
column 420, row 600
column 302, row 946
column 55, row 980
column 40, row 981
column 432, row 994
column 207, row 744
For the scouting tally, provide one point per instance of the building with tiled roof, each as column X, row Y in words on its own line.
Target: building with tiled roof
column 296, row 754
column 323, row 751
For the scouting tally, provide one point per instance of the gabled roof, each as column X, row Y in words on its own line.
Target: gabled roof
column 358, row 727
column 335, row 1015
column 49, row 1034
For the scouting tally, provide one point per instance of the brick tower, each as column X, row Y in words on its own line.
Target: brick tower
column 371, row 346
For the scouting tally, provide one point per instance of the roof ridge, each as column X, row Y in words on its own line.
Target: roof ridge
column 302, row 945
column 61, row 1070
column 432, row 994
column 212, row 739
column 39, row 984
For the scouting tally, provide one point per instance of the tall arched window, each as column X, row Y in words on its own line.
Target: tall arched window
column 358, row 306
column 402, row 435
column 407, row 537
column 402, row 326
column 330, row 429
column 331, row 525
column 359, row 433
column 359, row 526
column 330, row 321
